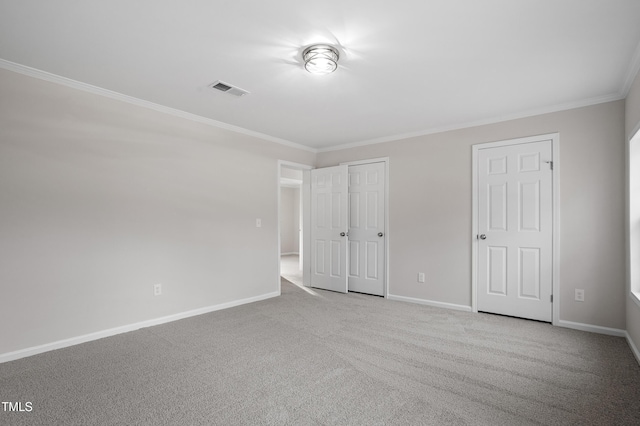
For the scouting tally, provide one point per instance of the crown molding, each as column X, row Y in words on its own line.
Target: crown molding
column 632, row 72
column 494, row 120
column 43, row 75
column 74, row 84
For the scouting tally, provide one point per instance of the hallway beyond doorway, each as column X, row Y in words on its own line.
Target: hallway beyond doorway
column 290, row 268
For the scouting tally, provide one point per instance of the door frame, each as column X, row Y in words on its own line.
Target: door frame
column 555, row 215
column 384, row 160
column 305, row 197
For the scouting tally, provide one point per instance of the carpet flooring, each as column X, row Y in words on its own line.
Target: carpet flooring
column 323, row 358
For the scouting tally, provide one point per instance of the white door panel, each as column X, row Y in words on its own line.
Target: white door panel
column 515, row 227
column 366, row 228
column 328, row 228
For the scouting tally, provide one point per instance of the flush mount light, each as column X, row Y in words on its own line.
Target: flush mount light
column 320, row 59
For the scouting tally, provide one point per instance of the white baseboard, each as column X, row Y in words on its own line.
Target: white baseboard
column 634, row 348
column 592, row 328
column 22, row 353
column 430, row 303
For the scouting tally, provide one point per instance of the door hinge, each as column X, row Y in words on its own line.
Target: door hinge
column 550, row 163
column 552, row 298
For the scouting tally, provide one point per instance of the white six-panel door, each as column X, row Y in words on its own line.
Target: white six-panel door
column 515, row 230
column 367, row 228
column 329, row 227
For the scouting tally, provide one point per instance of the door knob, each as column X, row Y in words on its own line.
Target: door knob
column 380, row 234
column 342, row 234
column 483, row 237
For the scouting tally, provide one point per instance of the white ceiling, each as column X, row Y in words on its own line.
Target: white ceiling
column 407, row 67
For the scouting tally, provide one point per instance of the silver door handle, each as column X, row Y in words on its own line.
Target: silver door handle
column 483, row 237
column 342, row 234
column 380, row 234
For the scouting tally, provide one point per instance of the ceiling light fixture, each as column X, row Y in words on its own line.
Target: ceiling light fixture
column 320, row 59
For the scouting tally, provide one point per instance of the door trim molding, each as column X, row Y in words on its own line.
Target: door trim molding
column 384, row 160
column 555, row 215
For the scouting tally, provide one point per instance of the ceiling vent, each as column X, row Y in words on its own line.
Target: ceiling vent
column 228, row 88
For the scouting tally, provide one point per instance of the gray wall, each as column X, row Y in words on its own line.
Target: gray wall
column 430, row 209
column 632, row 123
column 100, row 199
column 289, row 220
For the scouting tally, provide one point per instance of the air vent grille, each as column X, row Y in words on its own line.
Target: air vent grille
column 221, row 86
column 228, row 88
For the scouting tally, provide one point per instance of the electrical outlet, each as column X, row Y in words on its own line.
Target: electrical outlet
column 157, row 289
column 579, row 295
column 420, row 277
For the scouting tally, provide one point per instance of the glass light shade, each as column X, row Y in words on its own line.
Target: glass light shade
column 320, row 59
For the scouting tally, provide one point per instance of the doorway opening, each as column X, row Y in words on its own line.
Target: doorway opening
column 291, row 224
column 292, row 251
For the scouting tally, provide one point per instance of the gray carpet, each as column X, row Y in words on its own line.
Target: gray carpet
column 304, row 359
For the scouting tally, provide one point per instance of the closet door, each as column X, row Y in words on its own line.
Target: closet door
column 366, row 228
column 515, row 230
column 329, row 228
